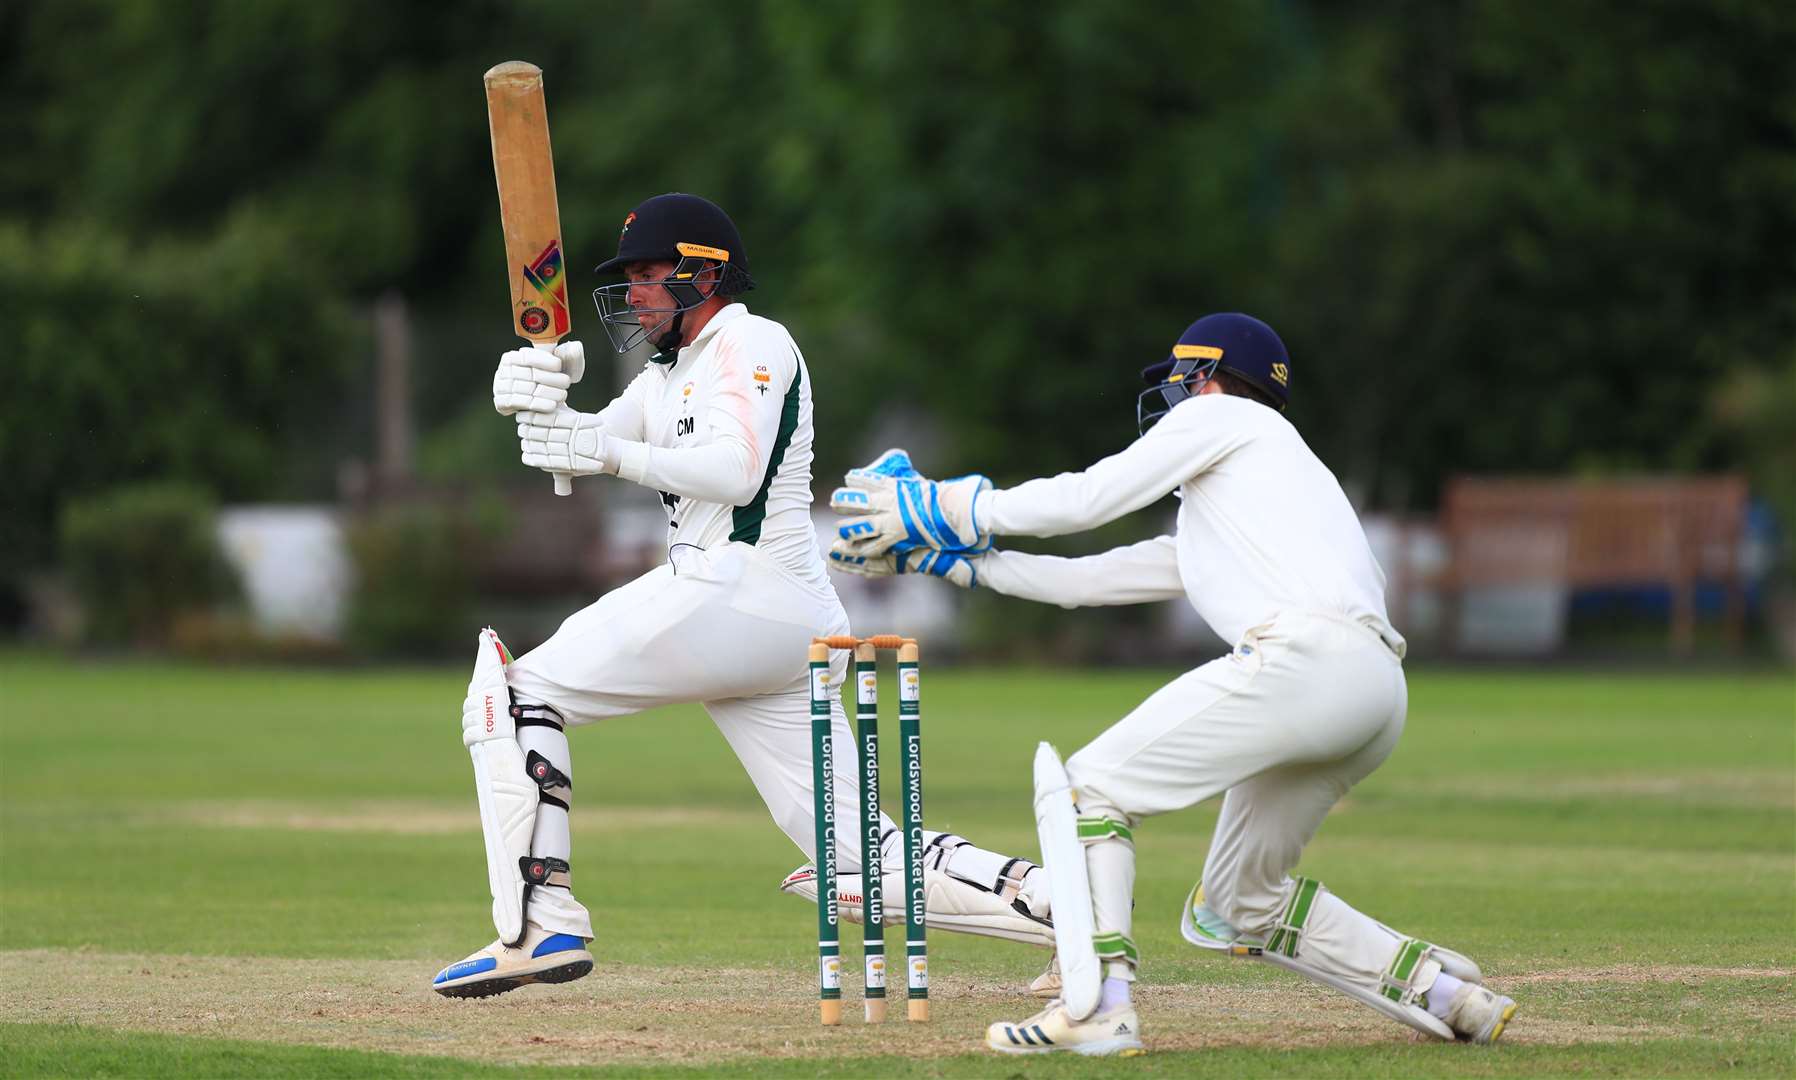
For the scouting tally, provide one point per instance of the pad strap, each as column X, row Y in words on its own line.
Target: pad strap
column 1010, row 885
column 1398, row 981
column 537, row 716
column 1115, row 945
column 1285, row 938
column 940, row 849
column 1004, row 882
column 544, row 871
column 1094, row 829
column 555, row 787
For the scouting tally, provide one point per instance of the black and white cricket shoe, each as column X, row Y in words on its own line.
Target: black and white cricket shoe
column 1116, row 1031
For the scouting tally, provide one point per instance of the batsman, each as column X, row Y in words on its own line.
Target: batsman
column 1308, row 701
column 718, row 427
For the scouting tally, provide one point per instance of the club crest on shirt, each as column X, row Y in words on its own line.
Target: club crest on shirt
column 762, row 377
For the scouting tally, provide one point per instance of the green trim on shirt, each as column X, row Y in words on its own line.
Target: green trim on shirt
column 747, row 519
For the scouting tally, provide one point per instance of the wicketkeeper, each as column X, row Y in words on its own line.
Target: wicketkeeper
column 1308, row 702
column 718, row 426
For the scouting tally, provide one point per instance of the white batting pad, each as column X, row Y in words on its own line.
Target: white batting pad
column 949, row 904
column 507, row 795
column 1069, row 885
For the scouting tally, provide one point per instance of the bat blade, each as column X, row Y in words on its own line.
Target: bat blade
column 525, row 170
column 524, row 167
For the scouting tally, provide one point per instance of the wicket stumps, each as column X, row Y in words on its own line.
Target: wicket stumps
column 829, row 952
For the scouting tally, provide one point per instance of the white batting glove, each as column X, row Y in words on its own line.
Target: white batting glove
column 962, row 570
column 537, row 380
column 889, row 506
column 566, row 442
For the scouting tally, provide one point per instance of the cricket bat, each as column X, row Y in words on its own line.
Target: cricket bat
column 525, row 170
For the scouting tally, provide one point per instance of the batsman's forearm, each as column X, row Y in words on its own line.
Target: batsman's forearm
column 623, row 418
column 719, row 472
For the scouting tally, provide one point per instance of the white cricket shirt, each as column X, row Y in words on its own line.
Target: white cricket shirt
column 724, row 434
column 1263, row 526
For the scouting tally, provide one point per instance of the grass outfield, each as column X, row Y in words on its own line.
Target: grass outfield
column 240, row 872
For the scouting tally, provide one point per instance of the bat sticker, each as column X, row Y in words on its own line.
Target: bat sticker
column 544, row 275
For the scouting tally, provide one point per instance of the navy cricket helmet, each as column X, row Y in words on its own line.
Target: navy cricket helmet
column 696, row 236
column 1239, row 344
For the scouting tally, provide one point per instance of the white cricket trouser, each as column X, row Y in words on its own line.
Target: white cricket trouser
column 729, row 628
column 1303, row 708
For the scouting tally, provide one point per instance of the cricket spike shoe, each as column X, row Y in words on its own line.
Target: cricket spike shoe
column 542, row 957
column 1479, row 1015
column 1114, row 1031
column 1047, row 984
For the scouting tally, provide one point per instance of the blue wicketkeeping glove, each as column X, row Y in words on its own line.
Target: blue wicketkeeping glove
column 888, row 506
column 962, row 570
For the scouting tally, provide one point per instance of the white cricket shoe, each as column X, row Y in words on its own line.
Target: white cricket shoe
column 1479, row 1014
column 1117, row 1031
column 543, row 956
column 1047, row 984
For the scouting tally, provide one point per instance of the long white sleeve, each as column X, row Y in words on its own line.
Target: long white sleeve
column 727, row 470
column 1136, row 574
column 624, row 417
column 743, row 424
column 1149, row 469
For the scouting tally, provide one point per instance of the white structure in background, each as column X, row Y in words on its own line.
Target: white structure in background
column 294, row 565
column 296, row 572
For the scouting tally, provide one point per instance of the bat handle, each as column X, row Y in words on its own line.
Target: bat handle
column 564, row 484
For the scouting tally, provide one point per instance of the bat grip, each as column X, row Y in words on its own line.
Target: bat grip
column 564, row 484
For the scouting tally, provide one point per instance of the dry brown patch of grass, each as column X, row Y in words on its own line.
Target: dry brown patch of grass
column 1645, row 973
column 621, row 1014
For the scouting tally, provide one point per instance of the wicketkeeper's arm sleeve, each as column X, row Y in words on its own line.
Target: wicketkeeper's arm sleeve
column 1172, row 452
column 1136, row 574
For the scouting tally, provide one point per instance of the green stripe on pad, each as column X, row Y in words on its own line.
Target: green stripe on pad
column 1403, row 969
column 1297, row 912
column 1115, row 946
column 1102, row 828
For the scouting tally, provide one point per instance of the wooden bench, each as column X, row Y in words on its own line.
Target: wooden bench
column 1670, row 532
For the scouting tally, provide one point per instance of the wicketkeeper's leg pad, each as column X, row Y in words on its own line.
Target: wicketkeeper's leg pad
column 1069, row 883
column 1320, row 937
column 1110, row 867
